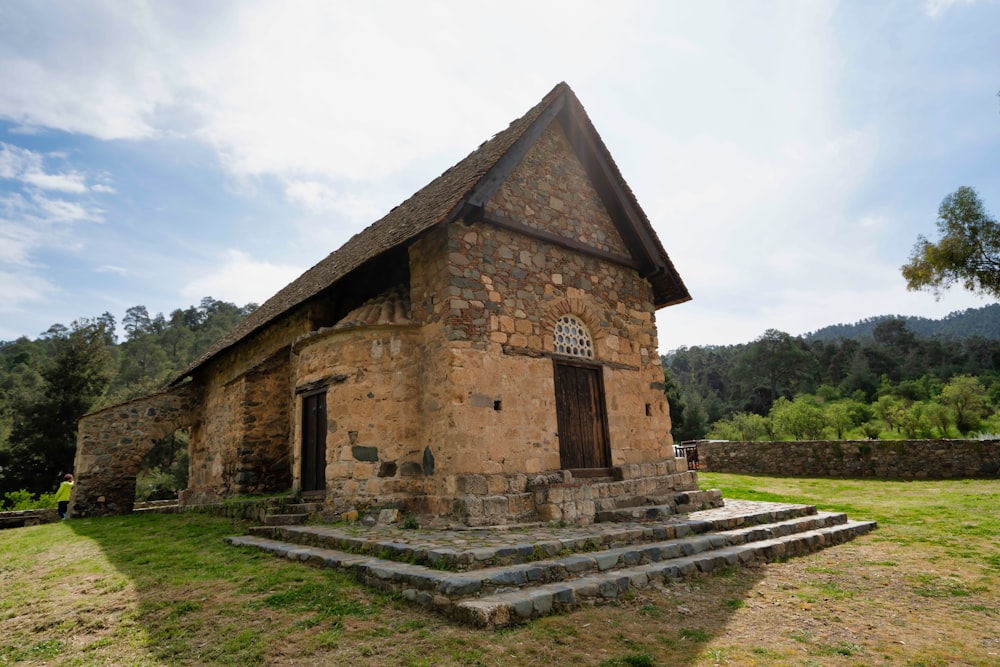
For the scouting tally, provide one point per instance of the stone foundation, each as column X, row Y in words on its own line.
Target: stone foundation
column 504, row 499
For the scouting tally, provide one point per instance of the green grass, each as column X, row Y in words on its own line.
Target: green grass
column 955, row 515
column 166, row 590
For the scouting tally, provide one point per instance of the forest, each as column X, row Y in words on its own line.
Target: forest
column 876, row 379
column 48, row 383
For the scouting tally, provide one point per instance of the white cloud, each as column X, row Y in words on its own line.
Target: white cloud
column 60, row 210
column 935, row 8
column 67, row 182
column 18, row 290
column 320, row 198
column 38, row 218
column 344, row 90
column 110, row 268
column 16, row 242
column 28, row 167
column 241, row 279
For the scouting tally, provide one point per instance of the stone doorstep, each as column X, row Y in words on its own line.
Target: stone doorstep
column 497, row 597
column 513, row 549
column 659, row 508
column 303, row 508
column 285, row 519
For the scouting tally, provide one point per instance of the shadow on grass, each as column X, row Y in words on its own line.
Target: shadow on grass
column 202, row 601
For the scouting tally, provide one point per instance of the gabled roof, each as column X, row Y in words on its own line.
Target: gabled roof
column 462, row 191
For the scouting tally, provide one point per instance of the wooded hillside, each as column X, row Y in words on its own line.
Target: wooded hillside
column 970, row 323
column 893, row 383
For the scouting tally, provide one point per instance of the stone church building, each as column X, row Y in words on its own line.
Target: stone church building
column 486, row 353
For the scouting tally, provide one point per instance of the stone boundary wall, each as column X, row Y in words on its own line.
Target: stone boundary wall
column 884, row 459
column 21, row 518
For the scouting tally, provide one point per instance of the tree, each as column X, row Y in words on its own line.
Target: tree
column 840, row 416
column 890, row 410
column 966, row 396
column 43, row 434
column 968, row 251
column 136, row 321
column 673, row 393
column 801, row 418
column 776, row 362
column 743, row 426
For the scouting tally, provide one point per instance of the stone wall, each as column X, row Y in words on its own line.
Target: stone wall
column 551, row 191
column 372, row 375
column 242, row 444
column 263, row 454
column 884, row 459
column 112, row 443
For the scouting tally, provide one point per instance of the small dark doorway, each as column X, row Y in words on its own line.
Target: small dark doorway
column 582, row 418
column 314, row 442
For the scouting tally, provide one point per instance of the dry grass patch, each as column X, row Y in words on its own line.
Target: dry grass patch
column 165, row 590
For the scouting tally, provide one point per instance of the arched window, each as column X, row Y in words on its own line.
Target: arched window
column 572, row 338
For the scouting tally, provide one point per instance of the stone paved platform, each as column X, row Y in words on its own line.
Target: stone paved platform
column 491, row 577
column 467, row 547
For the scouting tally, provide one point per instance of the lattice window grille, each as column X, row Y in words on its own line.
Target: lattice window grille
column 572, row 338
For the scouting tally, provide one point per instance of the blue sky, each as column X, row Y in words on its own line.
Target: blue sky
column 787, row 153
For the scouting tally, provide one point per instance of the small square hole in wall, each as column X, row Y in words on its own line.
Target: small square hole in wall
column 497, row 405
column 649, row 410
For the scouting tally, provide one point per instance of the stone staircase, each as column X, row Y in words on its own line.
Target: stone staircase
column 291, row 514
column 497, row 577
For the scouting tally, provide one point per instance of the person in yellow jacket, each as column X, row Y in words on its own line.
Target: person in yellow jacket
column 62, row 495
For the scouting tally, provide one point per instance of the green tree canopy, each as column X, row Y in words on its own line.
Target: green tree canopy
column 775, row 362
column 967, row 253
column 43, row 433
column 966, row 396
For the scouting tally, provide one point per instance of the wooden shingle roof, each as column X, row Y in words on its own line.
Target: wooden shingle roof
column 461, row 191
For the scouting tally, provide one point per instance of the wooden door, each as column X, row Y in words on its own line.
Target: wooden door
column 314, row 442
column 581, row 416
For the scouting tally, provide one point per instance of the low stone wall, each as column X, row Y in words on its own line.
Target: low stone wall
column 21, row 518
column 886, row 459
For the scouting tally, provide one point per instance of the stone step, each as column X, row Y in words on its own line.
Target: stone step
column 303, row 508
column 498, row 596
column 658, row 508
column 544, row 567
column 286, row 519
column 468, row 550
column 515, row 606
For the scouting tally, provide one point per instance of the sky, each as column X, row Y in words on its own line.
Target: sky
column 788, row 154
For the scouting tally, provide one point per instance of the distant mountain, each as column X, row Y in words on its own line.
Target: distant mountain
column 971, row 323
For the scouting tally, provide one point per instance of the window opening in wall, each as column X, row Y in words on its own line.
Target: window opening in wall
column 497, row 405
column 649, row 410
column 572, row 338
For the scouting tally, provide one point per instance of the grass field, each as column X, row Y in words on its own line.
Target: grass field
column 922, row 590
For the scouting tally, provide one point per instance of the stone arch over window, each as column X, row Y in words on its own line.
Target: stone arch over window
column 572, row 338
column 574, row 320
